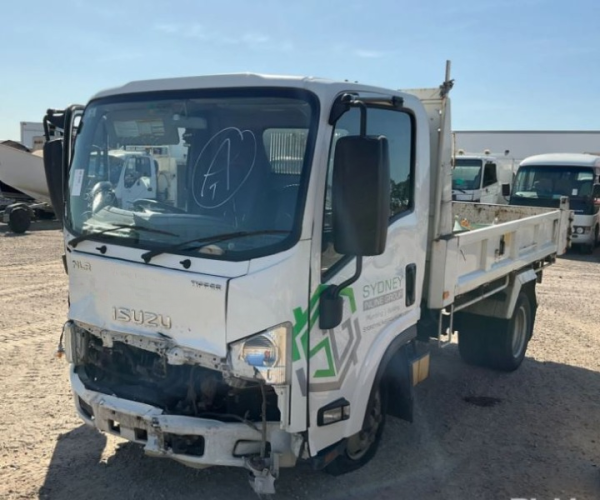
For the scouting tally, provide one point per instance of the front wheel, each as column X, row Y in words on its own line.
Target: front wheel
column 362, row 446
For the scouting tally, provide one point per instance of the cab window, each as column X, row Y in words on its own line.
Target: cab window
column 397, row 127
column 489, row 174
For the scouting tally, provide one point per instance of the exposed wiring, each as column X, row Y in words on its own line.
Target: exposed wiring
column 263, row 444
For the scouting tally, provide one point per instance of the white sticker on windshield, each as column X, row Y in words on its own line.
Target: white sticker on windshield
column 574, row 192
column 77, row 182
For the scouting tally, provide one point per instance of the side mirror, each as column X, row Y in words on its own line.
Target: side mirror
column 506, row 190
column 361, row 211
column 361, row 195
column 596, row 194
column 53, row 166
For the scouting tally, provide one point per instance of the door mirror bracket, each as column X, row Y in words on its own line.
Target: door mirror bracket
column 331, row 304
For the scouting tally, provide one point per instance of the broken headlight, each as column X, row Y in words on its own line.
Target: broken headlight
column 264, row 355
column 75, row 344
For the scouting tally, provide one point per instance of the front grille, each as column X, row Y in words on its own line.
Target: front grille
column 138, row 375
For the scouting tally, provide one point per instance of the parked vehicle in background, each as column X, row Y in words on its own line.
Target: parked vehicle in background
column 32, row 135
column 24, row 195
column 281, row 306
column 479, row 178
column 543, row 179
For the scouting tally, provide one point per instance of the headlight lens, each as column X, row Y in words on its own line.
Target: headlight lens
column 579, row 230
column 260, row 351
column 263, row 355
column 69, row 341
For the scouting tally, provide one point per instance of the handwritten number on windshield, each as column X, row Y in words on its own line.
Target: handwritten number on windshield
column 223, row 166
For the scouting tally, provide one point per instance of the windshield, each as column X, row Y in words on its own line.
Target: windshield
column 545, row 185
column 162, row 171
column 466, row 174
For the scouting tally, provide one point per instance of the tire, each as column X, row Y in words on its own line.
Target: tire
column 19, row 220
column 508, row 344
column 472, row 346
column 362, row 446
column 496, row 343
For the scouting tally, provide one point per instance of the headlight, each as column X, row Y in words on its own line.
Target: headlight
column 74, row 342
column 579, row 230
column 69, row 341
column 263, row 355
column 582, row 229
column 260, row 352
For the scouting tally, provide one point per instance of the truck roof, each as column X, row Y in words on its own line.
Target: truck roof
column 475, row 157
column 563, row 159
column 319, row 86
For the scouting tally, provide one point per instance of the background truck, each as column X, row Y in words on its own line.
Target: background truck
column 24, row 193
column 542, row 180
column 481, row 178
column 32, row 135
column 282, row 308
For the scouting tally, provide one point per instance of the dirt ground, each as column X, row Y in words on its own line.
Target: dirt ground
column 541, row 440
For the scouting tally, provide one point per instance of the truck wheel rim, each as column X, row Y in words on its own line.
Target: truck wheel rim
column 519, row 336
column 359, row 443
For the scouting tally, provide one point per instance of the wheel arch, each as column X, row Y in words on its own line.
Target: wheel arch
column 395, row 375
column 502, row 304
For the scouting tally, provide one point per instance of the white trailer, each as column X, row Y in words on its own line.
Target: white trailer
column 284, row 307
column 23, row 185
column 32, row 135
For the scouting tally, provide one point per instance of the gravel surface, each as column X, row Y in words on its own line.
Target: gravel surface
column 537, row 434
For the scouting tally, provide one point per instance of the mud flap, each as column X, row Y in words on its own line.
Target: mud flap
column 398, row 381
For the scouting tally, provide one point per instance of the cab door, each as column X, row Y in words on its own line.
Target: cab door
column 384, row 301
column 490, row 188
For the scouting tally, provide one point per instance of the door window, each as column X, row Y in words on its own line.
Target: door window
column 397, row 127
column 489, row 175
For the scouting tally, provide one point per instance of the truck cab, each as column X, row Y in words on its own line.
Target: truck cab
column 543, row 179
column 479, row 178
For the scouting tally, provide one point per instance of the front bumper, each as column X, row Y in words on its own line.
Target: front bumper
column 213, row 442
column 582, row 239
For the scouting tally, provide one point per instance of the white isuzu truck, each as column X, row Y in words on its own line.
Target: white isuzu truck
column 281, row 305
column 481, row 178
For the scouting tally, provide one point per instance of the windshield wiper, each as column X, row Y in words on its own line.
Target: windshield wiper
column 209, row 240
column 78, row 239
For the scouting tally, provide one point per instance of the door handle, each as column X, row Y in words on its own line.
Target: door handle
column 411, row 284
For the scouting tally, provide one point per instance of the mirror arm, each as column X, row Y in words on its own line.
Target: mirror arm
column 54, row 120
column 352, row 279
column 331, row 304
column 363, row 117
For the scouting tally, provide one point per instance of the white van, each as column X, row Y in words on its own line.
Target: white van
column 479, row 178
column 543, row 179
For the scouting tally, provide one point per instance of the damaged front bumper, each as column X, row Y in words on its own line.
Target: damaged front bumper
column 196, row 442
column 176, row 402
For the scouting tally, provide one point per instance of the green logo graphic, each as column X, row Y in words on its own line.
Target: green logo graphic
column 300, row 340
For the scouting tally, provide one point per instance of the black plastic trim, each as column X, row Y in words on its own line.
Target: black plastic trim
column 338, row 403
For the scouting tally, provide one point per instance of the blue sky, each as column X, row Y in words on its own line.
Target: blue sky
column 518, row 64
